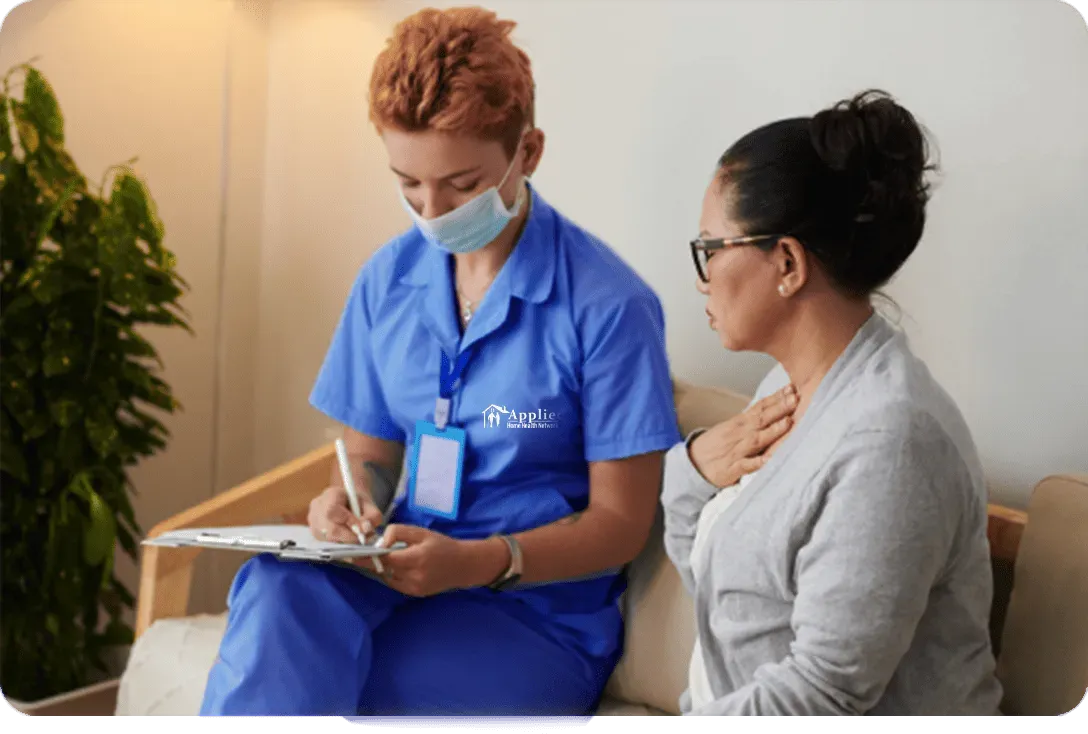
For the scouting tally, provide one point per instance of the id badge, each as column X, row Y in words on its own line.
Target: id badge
column 434, row 479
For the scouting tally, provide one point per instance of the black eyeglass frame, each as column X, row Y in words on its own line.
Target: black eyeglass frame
column 712, row 245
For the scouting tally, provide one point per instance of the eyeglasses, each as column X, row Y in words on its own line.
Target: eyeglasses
column 702, row 249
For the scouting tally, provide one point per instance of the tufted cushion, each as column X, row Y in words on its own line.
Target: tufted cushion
column 658, row 611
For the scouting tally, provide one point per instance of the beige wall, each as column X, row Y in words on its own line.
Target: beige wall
column 639, row 103
column 329, row 203
column 153, row 79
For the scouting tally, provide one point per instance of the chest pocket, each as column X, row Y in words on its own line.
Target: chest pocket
column 525, row 405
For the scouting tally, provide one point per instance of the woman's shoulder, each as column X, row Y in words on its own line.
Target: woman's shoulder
column 396, row 259
column 597, row 278
column 898, row 400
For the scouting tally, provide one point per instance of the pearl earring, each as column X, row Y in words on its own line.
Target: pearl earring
column 782, row 289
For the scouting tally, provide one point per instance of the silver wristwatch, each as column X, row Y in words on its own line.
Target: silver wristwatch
column 512, row 574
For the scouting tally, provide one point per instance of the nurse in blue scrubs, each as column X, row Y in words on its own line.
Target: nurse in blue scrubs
column 521, row 365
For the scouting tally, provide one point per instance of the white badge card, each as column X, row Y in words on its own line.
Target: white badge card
column 434, row 482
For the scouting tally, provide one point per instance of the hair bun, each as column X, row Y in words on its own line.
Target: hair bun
column 878, row 151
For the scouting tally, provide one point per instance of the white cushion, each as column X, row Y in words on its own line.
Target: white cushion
column 169, row 667
column 170, row 662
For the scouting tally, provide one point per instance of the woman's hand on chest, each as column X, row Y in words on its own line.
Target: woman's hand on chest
column 744, row 443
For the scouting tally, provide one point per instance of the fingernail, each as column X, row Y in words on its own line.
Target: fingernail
column 367, row 527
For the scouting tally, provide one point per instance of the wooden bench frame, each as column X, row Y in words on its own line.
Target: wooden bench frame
column 285, row 492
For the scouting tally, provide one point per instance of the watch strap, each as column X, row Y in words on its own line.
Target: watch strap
column 512, row 574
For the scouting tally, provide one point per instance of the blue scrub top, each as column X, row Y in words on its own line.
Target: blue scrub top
column 569, row 367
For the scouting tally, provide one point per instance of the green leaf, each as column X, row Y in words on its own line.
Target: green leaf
column 65, row 412
column 11, row 452
column 6, row 148
column 70, row 446
column 137, row 208
column 107, row 567
column 12, row 461
column 102, row 433
column 51, row 217
column 48, row 286
column 128, row 542
column 58, row 362
column 37, row 426
column 18, row 398
column 64, row 350
column 25, row 127
column 98, row 538
column 42, row 105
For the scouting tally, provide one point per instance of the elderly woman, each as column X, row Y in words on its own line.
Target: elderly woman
column 838, row 557
column 505, row 349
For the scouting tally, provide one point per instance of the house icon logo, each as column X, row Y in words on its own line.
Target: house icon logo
column 493, row 415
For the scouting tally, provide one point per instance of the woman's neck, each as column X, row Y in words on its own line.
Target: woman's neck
column 816, row 338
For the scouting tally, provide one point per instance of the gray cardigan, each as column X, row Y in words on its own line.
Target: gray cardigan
column 852, row 575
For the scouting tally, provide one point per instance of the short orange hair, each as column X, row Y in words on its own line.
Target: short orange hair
column 453, row 70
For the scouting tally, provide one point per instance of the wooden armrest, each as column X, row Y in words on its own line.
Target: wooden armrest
column 286, row 491
column 1004, row 529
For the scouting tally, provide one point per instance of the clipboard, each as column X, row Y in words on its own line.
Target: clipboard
column 294, row 542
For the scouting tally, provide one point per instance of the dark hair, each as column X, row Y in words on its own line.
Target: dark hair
column 848, row 183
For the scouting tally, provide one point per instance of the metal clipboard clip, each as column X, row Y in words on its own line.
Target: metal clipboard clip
column 243, row 542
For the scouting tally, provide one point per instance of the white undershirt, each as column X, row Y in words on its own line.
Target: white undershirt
column 698, row 680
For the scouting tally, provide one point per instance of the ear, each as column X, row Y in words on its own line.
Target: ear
column 534, row 150
column 792, row 263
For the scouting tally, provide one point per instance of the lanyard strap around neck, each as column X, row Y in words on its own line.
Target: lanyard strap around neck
column 448, row 378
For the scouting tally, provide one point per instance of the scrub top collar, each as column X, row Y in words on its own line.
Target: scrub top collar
column 528, row 274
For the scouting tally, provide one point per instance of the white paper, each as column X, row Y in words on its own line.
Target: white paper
column 436, row 473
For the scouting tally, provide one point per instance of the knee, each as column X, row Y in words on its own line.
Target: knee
column 267, row 575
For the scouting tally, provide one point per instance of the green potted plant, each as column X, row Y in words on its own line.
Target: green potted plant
column 82, row 271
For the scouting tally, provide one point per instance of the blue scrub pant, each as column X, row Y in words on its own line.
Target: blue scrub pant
column 323, row 639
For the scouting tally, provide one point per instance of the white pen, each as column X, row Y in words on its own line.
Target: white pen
column 349, row 486
column 353, row 498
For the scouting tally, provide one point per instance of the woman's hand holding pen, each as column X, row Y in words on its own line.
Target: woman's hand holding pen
column 330, row 519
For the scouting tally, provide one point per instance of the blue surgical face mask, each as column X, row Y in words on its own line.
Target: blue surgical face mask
column 471, row 226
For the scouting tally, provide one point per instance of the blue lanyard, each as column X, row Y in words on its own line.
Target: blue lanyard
column 448, row 377
column 451, row 373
